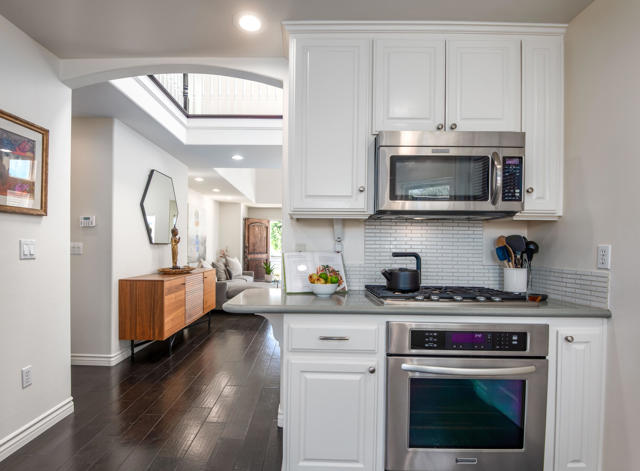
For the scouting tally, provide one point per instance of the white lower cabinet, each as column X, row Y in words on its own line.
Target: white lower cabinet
column 331, row 418
column 580, row 378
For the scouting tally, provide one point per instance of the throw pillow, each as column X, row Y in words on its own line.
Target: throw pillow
column 234, row 266
column 221, row 271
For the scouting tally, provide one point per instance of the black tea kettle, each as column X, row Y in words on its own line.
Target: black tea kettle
column 404, row 279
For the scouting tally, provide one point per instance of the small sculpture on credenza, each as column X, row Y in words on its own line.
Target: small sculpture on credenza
column 175, row 240
column 175, row 269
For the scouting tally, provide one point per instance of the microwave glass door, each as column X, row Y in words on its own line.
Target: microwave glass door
column 466, row 413
column 439, row 177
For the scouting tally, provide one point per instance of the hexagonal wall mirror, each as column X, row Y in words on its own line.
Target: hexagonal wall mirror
column 159, row 207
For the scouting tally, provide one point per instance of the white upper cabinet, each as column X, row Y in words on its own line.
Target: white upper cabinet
column 579, row 399
column 329, row 125
column 542, row 120
column 483, row 84
column 408, row 84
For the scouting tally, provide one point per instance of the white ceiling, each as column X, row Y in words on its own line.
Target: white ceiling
column 127, row 28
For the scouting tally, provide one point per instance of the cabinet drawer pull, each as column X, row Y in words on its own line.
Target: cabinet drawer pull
column 361, row 189
column 569, row 338
column 329, row 337
column 453, row 126
column 372, row 369
column 530, row 190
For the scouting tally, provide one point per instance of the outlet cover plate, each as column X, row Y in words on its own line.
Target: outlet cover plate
column 26, row 377
column 604, row 256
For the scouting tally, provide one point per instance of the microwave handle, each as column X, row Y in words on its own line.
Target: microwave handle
column 496, row 178
column 443, row 370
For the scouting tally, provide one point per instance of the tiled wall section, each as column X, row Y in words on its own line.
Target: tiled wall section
column 575, row 286
column 451, row 251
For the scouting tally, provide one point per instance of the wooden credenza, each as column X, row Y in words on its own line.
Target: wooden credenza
column 154, row 307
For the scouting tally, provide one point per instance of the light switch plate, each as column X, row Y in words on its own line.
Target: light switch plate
column 27, row 249
column 87, row 221
column 77, row 248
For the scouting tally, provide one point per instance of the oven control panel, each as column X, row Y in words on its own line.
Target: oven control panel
column 468, row 340
column 512, row 179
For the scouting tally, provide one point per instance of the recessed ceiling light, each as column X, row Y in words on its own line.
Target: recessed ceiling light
column 199, row 179
column 249, row 22
column 217, row 190
column 228, row 197
column 237, row 157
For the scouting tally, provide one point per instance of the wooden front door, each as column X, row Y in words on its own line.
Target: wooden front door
column 256, row 245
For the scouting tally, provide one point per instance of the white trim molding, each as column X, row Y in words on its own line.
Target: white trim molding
column 37, row 426
column 97, row 359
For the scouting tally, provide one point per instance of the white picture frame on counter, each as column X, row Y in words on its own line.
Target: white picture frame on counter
column 297, row 266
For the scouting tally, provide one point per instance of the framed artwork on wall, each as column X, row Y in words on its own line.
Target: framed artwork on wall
column 23, row 166
column 196, row 235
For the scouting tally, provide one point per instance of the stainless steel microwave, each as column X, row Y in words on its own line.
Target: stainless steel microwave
column 446, row 175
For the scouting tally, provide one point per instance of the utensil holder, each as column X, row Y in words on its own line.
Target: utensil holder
column 515, row 280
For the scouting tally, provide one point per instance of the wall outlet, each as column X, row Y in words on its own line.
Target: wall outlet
column 27, row 249
column 26, row 377
column 604, row 257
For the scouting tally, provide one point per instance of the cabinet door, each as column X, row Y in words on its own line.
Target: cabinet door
column 209, row 290
column 542, row 120
column 331, row 418
column 408, row 81
column 483, row 85
column 329, row 119
column 579, row 399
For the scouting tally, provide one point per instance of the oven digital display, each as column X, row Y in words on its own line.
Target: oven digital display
column 457, row 340
column 468, row 338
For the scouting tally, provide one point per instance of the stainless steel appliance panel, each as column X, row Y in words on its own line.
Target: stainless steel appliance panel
column 425, row 430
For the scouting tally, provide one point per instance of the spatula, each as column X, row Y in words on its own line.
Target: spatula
column 501, row 241
column 518, row 245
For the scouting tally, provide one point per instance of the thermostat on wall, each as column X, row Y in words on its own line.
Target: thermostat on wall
column 87, row 221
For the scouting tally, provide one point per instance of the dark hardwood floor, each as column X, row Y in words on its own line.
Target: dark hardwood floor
column 212, row 405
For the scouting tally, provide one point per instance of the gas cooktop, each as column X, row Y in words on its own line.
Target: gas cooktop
column 444, row 293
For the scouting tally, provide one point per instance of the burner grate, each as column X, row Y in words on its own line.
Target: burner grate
column 446, row 293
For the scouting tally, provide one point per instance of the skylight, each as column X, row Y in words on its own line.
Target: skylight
column 205, row 95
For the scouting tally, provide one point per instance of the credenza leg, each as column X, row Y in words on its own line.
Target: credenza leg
column 209, row 321
column 132, row 351
column 171, row 340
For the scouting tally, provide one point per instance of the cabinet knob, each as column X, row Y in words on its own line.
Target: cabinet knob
column 453, row 126
column 530, row 190
column 372, row 369
column 440, row 127
column 569, row 338
column 361, row 188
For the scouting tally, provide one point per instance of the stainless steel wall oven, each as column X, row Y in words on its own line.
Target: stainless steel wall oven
column 466, row 394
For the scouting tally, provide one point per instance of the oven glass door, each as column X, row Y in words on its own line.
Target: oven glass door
column 466, row 413
column 446, row 411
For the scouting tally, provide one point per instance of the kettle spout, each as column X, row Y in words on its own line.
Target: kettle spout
column 386, row 274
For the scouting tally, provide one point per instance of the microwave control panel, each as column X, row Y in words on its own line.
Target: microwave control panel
column 468, row 340
column 512, row 179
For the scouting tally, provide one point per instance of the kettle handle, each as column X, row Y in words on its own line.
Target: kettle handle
column 410, row 254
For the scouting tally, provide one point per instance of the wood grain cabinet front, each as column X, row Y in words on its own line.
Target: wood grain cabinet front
column 154, row 307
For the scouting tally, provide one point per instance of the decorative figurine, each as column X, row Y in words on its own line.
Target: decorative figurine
column 175, row 240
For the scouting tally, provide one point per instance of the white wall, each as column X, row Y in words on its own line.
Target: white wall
column 272, row 214
column 91, row 182
column 269, row 186
column 230, row 228
column 601, row 200
column 34, row 314
column 111, row 164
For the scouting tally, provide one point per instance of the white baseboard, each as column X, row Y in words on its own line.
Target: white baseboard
column 28, row 432
column 97, row 359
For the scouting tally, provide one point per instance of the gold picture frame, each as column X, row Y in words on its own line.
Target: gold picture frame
column 24, row 164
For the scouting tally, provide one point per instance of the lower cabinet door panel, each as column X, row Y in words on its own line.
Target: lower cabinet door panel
column 331, row 417
column 579, row 399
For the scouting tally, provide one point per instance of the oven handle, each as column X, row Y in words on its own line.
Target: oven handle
column 443, row 370
column 496, row 178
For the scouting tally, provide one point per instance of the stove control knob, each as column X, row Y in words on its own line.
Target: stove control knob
column 458, row 298
column 496, row 298
column 481, row 298
column 419, row 298
column 435, row 297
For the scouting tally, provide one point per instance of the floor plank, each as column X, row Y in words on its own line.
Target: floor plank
column 212, row 405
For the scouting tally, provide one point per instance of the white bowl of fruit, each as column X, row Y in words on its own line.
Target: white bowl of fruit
column 325, row 281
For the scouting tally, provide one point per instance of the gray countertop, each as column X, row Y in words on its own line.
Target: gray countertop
column 271, row 300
